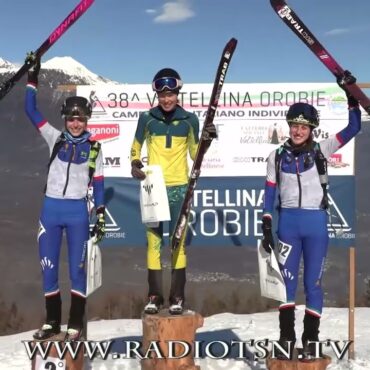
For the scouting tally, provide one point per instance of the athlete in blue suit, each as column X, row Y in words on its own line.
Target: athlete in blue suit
column 298, row 170
column 75, row 163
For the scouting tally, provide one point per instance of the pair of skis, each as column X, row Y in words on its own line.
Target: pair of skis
column 204, row 143
column 290, row 18
column 75, row 14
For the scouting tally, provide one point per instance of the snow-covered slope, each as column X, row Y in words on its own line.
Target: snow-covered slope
column 222, row 327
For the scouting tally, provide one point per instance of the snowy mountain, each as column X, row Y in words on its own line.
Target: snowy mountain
column 7, row 67
column 61, row 70
column 223, row 327
column 77, row 72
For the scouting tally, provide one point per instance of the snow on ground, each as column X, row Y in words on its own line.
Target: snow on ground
column 222, row 327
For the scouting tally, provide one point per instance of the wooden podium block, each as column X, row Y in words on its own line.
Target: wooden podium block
column 52, row 361
column 296, row 364
column 164, row 327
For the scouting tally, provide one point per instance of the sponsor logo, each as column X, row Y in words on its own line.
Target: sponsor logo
column 250, row 159
column 287, row 274
column 76, row 13
column 320, row 134
column 112, row 162
column 46, row 263
column 335, row 160
column 324, row 56
column 338, row 226
column 40, row 231
column 104, row 131
column 338, row 104
column 97, row 106
column 286, row 12
column 148, row 188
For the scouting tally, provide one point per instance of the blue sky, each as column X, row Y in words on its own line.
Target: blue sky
column 129, row 40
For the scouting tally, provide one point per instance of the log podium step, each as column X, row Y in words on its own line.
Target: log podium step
column 296, row 364
column 52, row 361
column 164, row 327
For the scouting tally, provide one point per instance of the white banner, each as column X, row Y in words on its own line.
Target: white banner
column 250, row 122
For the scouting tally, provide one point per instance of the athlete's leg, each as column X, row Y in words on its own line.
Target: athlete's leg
column 76, row 221
column 290, row 250
column 176, row 196
column 49, row 239
column 315, row 246
column 155, row 241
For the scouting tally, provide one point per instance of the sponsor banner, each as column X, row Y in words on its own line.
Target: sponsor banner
column 250, row 122
column 226, row 212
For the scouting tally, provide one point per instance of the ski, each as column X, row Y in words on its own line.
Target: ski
column 290, row 18
column 203, row 143
column 76, row 13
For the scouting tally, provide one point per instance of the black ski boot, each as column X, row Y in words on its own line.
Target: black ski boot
column 287, row 333
column 154, row 304
column 76, row 315
column 311, row 326
column 53, row 305
column 176, row 306
column 48, row 330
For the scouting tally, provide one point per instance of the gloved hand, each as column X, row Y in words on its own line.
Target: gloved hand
column 99, row 228
column 347, row 79
column 136, row 171
column 268, row 239
column 33, row 72
column 209, row 132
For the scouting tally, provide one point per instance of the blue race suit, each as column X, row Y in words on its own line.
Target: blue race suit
column 65, row 202
column 302, row 226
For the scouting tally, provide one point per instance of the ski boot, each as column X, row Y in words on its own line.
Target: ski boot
column 176, row 306
column 287, row 333
column 53, row 306
column 47, row 330
column 73, row 334
column 310, row 333
column 75, row 321
column 154, row 305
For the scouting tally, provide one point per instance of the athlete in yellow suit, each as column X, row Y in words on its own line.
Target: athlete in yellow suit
column 170, row 132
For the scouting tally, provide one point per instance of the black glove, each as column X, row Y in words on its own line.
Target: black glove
column 347, row 79
column 99, row 228
column 268, row 239
column 136, row 171
column 33, row 72
column 209, row 132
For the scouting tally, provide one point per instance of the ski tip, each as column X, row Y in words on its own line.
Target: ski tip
column 233, row 42
column 278, row 2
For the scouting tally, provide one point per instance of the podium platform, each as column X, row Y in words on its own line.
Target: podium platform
column 52, row 361
column 164, row 327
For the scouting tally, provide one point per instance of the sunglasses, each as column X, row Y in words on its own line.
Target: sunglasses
column 170, row 83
